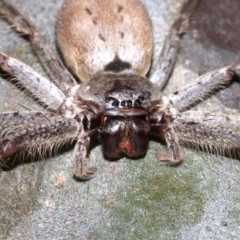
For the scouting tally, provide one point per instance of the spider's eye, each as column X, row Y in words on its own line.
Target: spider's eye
column 123, row 103
column 137, row 103
column 115, row 103
column 129, row 103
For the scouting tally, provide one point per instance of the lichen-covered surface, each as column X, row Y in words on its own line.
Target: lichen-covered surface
column 128, row 199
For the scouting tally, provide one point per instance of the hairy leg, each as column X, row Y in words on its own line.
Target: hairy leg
column 57, row 72
column 204, row 86
column 208, row 130
column 35, row 131
column 39, row 87
column 172, row 43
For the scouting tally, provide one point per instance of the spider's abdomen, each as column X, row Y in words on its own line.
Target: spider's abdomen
column 102, row 35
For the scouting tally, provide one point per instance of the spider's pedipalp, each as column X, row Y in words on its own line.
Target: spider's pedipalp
column 80, row 170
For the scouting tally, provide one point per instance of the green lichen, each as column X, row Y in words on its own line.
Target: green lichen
column 155, row 202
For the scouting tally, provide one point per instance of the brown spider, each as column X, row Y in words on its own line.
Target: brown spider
column 115, row 101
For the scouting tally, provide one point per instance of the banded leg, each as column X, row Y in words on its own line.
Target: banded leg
column 13, row 119
column 172, row 43
column 80, row 171
column 205, row 85
column 210, row 131
column 35, row 131
column 39, row 87
column 57, row 72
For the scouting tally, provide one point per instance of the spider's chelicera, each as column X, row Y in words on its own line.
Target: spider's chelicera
column 109, row 48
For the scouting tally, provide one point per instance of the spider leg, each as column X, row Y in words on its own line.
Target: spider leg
column 80, row 171
column 208, row 130
column 205, row 85
column 57, row 72
column 34, row 131
column 12, row 119
column 172, row 43
column 41, row 88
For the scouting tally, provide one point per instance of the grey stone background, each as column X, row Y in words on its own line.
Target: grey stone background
column 129, row 199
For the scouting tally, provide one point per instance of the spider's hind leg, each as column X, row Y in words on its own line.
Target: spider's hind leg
column 172, row 44
column 57, row 72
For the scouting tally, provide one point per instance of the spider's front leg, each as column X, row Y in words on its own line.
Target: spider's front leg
column 35, row 132
column 32, row 132
column 208, row 130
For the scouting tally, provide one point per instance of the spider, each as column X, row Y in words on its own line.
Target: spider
column 112, row 99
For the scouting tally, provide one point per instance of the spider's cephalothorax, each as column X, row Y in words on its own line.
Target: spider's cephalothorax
column 108, row 46
column 121, row 106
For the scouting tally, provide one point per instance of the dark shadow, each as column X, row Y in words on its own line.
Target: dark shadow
column 20, row 158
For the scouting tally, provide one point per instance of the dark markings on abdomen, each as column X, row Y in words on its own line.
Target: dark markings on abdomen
column 117, row 65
